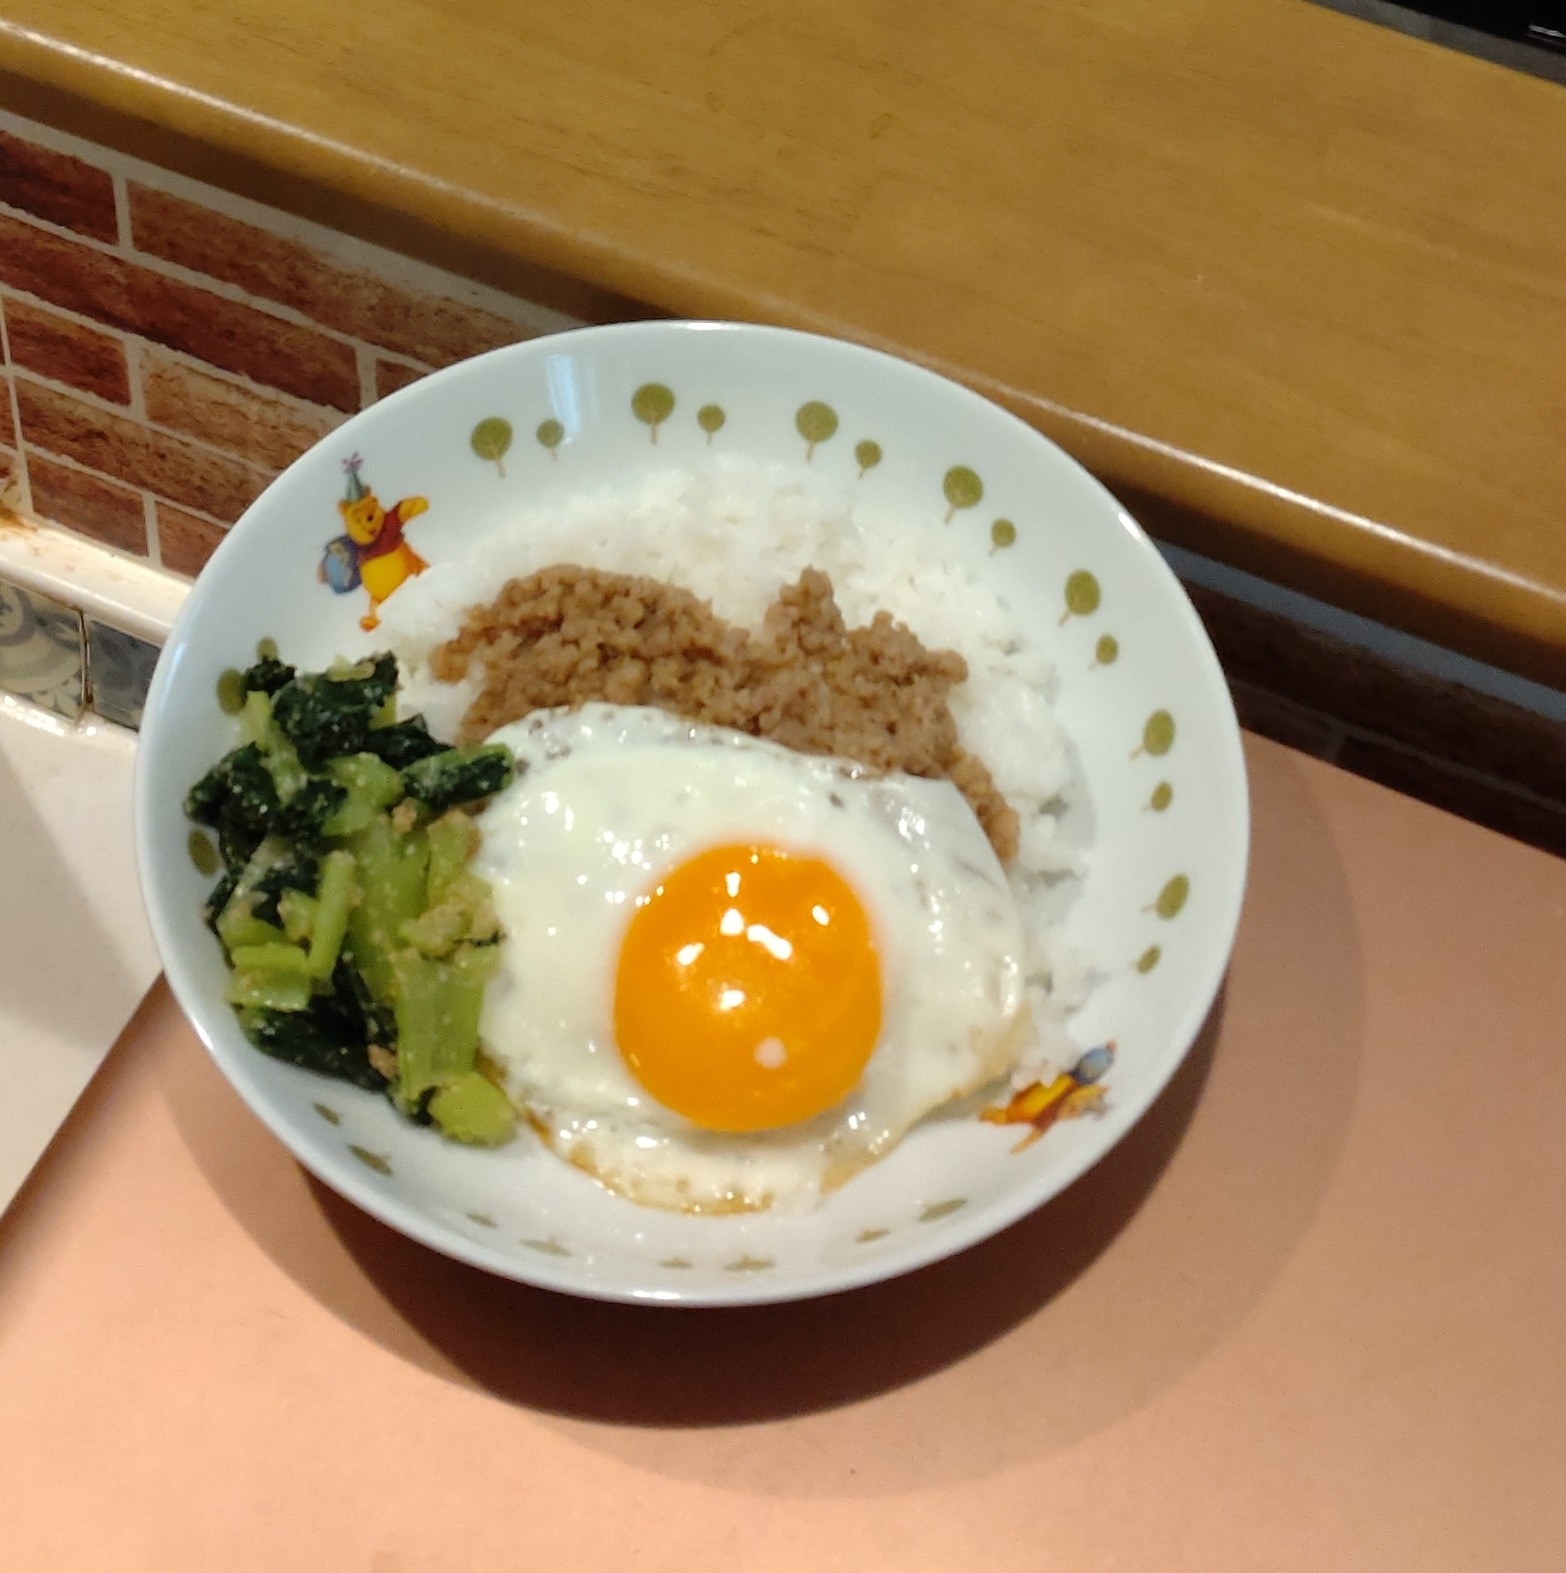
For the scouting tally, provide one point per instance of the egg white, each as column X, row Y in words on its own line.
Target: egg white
column 606, row 799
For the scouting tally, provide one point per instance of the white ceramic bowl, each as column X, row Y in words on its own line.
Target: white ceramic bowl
column 1165, row 817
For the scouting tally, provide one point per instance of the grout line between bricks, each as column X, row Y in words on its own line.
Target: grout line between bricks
column 24, row 485
column 149, row 513
column 138, row 396
column 122, row 219
column 366, row 365
column 195, row 513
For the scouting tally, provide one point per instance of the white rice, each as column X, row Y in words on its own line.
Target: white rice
column 733, row 532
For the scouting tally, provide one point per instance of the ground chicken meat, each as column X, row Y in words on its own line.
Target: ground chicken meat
column 567, row 635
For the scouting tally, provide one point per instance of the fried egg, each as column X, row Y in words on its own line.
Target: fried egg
column 733, row 975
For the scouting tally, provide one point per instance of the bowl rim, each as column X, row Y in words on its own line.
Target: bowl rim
column 967, row 1228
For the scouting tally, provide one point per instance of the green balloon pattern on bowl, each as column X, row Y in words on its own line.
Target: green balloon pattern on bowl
column 1082, row 595
column 1158, row 734
column 962, row 488
column 491, row 440
column 652, row 404
column 816, row 423
column 1172, row 898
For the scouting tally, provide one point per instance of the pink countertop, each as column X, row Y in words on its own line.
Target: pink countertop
column 1310, row 1316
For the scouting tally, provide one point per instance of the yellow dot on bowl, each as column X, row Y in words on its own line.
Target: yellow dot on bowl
column 962, row 488
column 202, row 853
column 231, row 691
column 1173, row 897
column 816, row 422
column 936, row 1210
column 1082, row 594
column 546, row 1247
column 1159, row 734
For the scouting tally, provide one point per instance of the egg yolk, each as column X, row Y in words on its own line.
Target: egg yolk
column 748, row 991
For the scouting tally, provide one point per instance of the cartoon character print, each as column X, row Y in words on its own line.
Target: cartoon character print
column 374, row 552
column 1067, row 1096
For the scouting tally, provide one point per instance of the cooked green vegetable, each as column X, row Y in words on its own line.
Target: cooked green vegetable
column 358, row 937
column 296, row 912
column 237, row 925
column 438, row 1005
column 459, row 775
column 368, row 784
column 238, row 799
column 276, row 865
column 307, row 812
column 334, row 899
column 403, row 742
column 329, row 1036
column 454, row 838
column 286, row 992
column 273, row 956
column 473, row 1109
column 328, row 714
column 393, row 873
column 266, row 676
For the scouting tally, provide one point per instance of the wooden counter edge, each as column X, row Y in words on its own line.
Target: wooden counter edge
column 1457, row 600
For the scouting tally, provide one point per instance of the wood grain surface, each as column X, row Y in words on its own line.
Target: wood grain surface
column 1290, row 283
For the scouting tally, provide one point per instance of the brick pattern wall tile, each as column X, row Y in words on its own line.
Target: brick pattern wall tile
column 139, row 455
column 66, row 351
column 182, row 316
column 350, row 300
column 174, row 364
column 241, row 420
column 89, row 503
column 53, row 186
column 390, row 375
column 186, row 540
